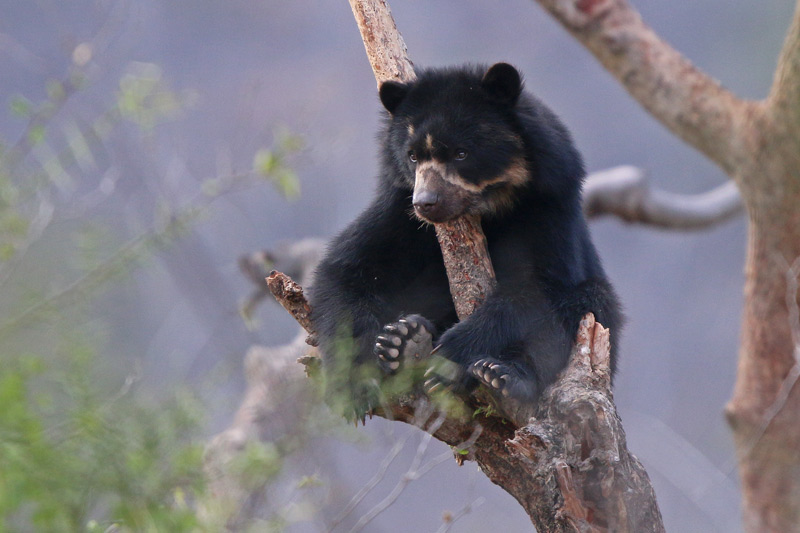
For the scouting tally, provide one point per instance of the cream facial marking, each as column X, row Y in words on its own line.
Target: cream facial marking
column 423, row 176
column 516, row 175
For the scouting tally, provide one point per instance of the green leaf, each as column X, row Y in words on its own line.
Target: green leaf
column 288, row 183
column 265, row 162
column 20, row 106
column 36, row 135
column 7, row 251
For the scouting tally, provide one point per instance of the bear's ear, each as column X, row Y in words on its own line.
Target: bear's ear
column 503, row 82
column 392, row 93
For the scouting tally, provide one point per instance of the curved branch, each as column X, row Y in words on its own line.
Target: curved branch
column 625, row 192
column 694, row 106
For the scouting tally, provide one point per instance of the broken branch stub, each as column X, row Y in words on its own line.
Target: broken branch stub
column 290, row 295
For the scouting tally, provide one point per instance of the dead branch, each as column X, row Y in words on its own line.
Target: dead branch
column 290, row 295
column 757, row 144
column 385, row 47
column 466, row 260
column 277, row 395
column 625, row 192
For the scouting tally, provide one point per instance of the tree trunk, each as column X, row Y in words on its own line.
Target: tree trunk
column 765, row 409
column 758, row 146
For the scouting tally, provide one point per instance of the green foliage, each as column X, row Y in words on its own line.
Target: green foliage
column 144, row 98
column 485, row 410
column 350, row 386
column 257, row 464
column 36, row 134
column 81, row 447
column 271, row 163
column 74, row 458
column 20, row 106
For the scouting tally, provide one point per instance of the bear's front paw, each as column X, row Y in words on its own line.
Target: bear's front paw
column 409, row 339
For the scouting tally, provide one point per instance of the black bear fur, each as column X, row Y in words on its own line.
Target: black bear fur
column 464, row 140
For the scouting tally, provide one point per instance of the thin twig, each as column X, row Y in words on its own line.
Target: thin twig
column 372, row 483
column 414, row 472
column 472, row 503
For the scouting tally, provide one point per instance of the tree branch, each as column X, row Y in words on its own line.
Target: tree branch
column 782, row 103
column 385, row 47
column 567, row 463
column 625, row 192
column 691, row 104
column 277, row 393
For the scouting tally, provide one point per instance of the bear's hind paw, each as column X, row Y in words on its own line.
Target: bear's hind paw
column 408, row 339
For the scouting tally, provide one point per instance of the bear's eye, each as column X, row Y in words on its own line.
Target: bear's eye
column 412, row 155
column 461, row 155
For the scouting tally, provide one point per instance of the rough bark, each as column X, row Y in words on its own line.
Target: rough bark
column 691, row 104
column 385, row 47
column 273, row 375
column 757, row 144
column 763, row 418
column 466, row 259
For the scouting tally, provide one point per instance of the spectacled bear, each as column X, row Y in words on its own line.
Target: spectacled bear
column 460, row 141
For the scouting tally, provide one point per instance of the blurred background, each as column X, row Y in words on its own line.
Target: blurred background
column 146, row 144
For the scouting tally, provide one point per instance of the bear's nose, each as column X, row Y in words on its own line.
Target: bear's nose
column 425, row 202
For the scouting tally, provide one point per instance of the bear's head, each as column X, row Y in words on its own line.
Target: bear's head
column 455, row 140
